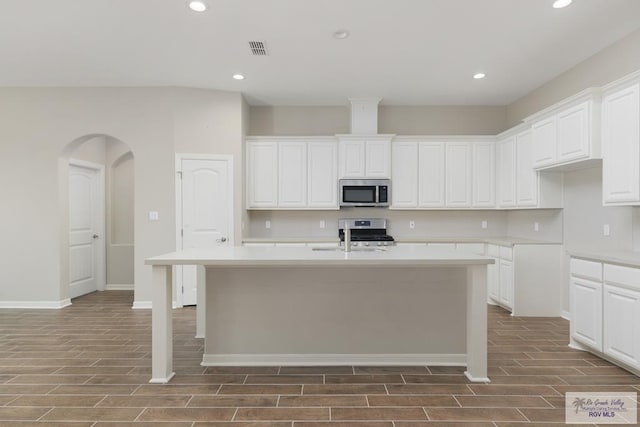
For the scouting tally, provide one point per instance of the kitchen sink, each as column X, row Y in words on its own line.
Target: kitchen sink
column 356, row 249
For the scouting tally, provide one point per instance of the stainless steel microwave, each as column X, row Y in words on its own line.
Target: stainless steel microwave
column 365, row 192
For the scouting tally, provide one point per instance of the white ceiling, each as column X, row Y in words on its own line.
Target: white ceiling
column 408, row 52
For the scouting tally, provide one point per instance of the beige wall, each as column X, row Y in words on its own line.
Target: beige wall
column 618, row 60
column 400, row 120
column 120, row 214
column 37, row 126
column 94, row 151
column 442, row 120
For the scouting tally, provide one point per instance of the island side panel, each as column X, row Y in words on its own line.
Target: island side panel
column 477, row 323
column 336, row 315
column 161, row 324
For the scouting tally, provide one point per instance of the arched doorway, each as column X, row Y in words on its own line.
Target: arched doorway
column 98, row 230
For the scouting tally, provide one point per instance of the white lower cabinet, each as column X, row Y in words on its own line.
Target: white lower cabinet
column 517, row 283
column 586, row 312
column 505, row 272
column 605, row 310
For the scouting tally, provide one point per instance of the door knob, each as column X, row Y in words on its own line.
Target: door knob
column 95, row 236
column 221, row 240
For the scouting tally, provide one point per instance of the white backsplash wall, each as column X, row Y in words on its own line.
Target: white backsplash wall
column 636, row 227
column 584, row 215
column 428, row 224
column 521, row 223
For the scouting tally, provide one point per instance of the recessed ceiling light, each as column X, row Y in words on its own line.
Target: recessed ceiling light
column 559, row 4
column 238, row 76
column 479, row 76
column 197, row 5
column 341, row 34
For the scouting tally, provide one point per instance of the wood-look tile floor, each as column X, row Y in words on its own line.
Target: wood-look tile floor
column 89, row 365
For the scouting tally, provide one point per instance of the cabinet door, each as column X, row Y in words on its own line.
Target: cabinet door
column 573, row 133
column 526, row 176
column 506, row 283
column 404, row 174
column 352, row 159
column 262, row 174
column 586, row 312
column 484, row 176
column 323, row 174
column 506, row 159
column 377, row 159
column 431, row 174
column 622, row 324
column 458, row 174
column 544, row 142
column 621, row 146
column 292, row 175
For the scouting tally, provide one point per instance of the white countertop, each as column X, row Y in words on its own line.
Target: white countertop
column 248, row 256
column 498, row 240
column 628, row 258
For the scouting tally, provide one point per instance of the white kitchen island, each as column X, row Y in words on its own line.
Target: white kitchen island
column 300, row 306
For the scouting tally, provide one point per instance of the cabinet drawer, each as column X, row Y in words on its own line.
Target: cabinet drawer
column 493, row 250
column 506, row 253
column 626, row 276
column 587, row 269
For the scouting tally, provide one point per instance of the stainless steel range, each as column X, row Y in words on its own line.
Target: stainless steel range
column 365, row 231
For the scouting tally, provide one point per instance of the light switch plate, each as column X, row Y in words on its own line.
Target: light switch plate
column 322, row 224
column 536, row 226
column 267, row 224
column 606, row 230
column 412, row 224
column 484, row 225
column 154, row 215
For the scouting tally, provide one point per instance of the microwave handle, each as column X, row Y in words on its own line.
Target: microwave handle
column 377, row 194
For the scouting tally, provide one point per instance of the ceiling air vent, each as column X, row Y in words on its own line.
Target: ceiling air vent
column 258, row 48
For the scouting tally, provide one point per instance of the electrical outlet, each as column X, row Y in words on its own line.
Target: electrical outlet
column 322, row 223
column 536, row 226
column 484, row 225
column 154, row 216
column 412, row 224
column 267, row 224
column 606, row 230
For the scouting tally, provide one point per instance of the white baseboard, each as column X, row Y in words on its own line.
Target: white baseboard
column 118, row 287
column 140, row 305
column 146, row 305
column 565, row 315
column 334, row 359
column 36, row 304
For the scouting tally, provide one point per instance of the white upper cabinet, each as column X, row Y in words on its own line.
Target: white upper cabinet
column 574, row 133
column 568, row 132
column 436, row 175
column 519, row 185
column 484, row 175
column 377, row 159
column 404, row 174
column 262, row 174
column 506, row 176
column 323, row 174
column 458, row 174
column 544, row 135
column 365, row 156
column 621, row 145
column 292, row 174
column 526, row 176
column 431, row 173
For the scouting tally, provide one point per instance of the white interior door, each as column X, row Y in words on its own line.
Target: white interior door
column 206, row 214
column 85, row 230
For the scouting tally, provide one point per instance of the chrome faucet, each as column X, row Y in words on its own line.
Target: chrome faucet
column 347, row 238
